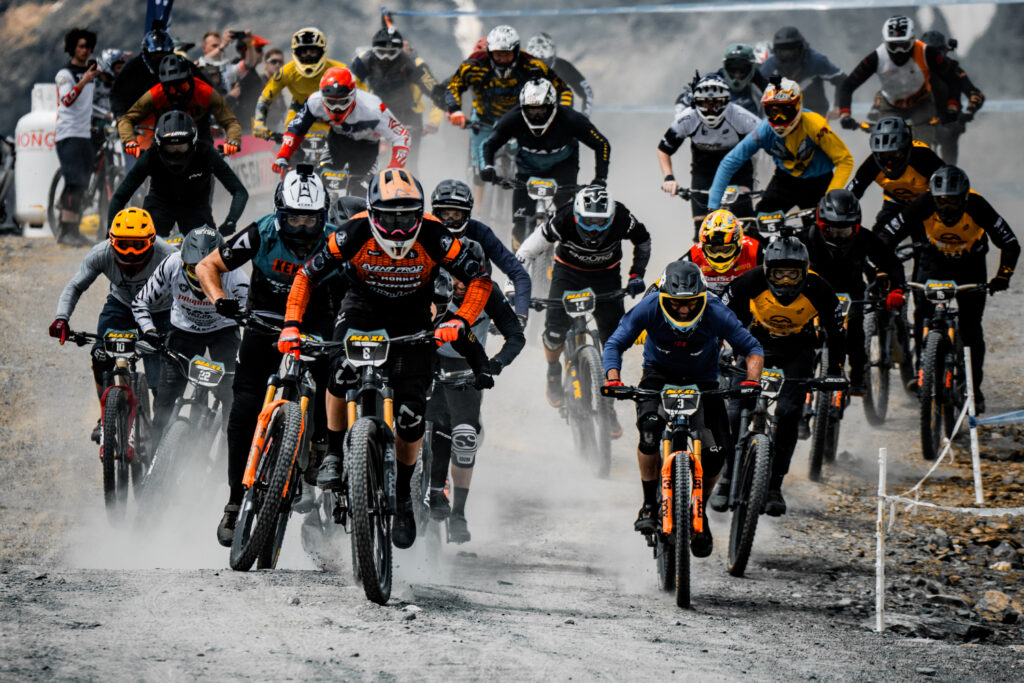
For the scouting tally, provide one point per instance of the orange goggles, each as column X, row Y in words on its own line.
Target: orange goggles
column 136, row 246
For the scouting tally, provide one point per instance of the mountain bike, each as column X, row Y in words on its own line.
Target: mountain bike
column 543, row 192
column 887, row 337
column 496, row 201
column 191, row 430
column 278, row 454
column 829, row 402
column 942, row 375
column 126, row 426
column 107, row 173
column 730, row 197
column 681, row 513
column 584, row 408
column 767, row 226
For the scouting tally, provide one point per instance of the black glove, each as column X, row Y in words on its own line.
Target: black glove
column 603, row 182
column 635, row 286
column 227, row 307
column 1001, row 282
column 496, row 367
column 227, row 228
column 849, row 123
column 154, row 339
column 482, row 381
column 950, row 116
column 488, row 174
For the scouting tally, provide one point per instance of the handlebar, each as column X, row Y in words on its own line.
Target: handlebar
column 628, row 393
column 83, row 338
column 541, row 304
column 970, row 287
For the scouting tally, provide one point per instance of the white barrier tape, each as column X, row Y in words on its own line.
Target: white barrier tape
column 700, row 8
column 947, row 448
column 979, row 512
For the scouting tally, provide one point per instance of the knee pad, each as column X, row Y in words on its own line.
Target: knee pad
column 650, row 427
column 464, row 445
column 553, row 339
column 409, row 423
column 343, row 377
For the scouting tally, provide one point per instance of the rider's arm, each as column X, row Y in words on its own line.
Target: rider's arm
column 857, row 77
column 839, row 153
column 392, row 130
column 457, row 84
column 142, row 108
column 506, row 262
column 226, row 175
column 884, row 260
column 423, row 76
column 301, row 123
column 225, row 118
column 587, row 133
column 538, row 241
column 732, row 162
column 641, row 239
column 132, row 182
column 864, row 176
column 155, row 293
column 238, row 250
column 358, row 67
column 738, row 293
column 502, row 132
column 508, row 324
column 575, row 80
column 460, row 263
column 88, row 271
column 907, row 222
column 728, row 327
column 270, row 91
column 320, row 265
column 997, row 229
column 635, row 321
column 945, row 70
column 972, row 92
column 830, row 316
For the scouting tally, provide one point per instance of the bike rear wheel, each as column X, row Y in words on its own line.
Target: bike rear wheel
column 878, row 350
column 682, row 523
column 931, row 394
column 115, row 453
column 371, row 521
column 756, row 469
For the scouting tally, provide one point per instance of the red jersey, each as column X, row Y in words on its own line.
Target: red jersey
column 717, row 282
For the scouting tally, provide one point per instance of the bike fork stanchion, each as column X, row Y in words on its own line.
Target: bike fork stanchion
column 880, row 546
column 972, row 424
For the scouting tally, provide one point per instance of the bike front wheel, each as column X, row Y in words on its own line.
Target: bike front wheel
column 371, row 521
column 878, row 350
column 116, row 413
column 682, row 523
column 931, row 394
column 755, row 472
column 594, row 411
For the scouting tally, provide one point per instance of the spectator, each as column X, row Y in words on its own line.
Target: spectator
column 273, row 60
column 212, row 46
column 75, row 89
column 242, row 79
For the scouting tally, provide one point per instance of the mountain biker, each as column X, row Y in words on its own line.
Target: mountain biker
column 549, row 137
column 810, row 159
column 277, row 244
column 109, row 64
column 588, row 234
column 793, row 58
column 301, row 76
column 391, row 255
column 723, row 252
column 195, row 327
column 898, row 165
column 357, row 121
column 542, row 46
column 179, row 89
column 141, row 72
column 402, row 81
column 842, row 253
column 906, row 68
column 947, row 135
column 455, row 414
column 685, row 328
column 127, row 258
column 950, row 226
column 714, row 125
column 452, row 204
column 496, row 76
column 746, row 83
column 779, row 302
column 181, row 169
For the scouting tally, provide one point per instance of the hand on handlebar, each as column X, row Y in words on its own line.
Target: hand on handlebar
column 457, row 118
column 894, row 300
column 483, row 380
column 848, row 122
column 228, row 307
column 449, row 331
column 288, row 341
column 133, row 149
column 670, row 187
column 59, row 330
column 231, row 148
column 154, row 339
column 635, row 286
column 261, row 131
column 280, row 166
column 488, row 174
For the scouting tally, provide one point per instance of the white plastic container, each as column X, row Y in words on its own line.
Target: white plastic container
column 36, row 162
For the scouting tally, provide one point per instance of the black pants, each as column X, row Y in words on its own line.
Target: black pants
column 607, row 314
column 77, row 161
column 856, row 354
column 523, row 208
column 186, row 215
column 222, row 347
column 455, row 416
column 360, row 155
column 794, row 363
column 786, row 191
column 712, row 420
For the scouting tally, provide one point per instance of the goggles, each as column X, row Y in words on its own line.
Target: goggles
column 178, row 89
column 175, row 149
column 594, row 223
column 719, row 250
column 839, row 233
column 900, row 46
column 711, row 105
column 890, row 160
column 738, row 70
column 949, row 202
column 387, row 53
column 190, row 272
column 780, row 275
column 135, row 246
column 397, row 225
column 338, row 104
column 780, row 113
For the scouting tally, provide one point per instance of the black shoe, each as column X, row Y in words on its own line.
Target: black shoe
column 403, row 529
column 803, row 428
column 702, row 543
column 775, row 505
column 226, row 528
column 439, row 508
column 719, row 500
column 554, row 391
column 96, row 431
column 458, row 530
column 614, row 428
column 329, row 476
column 647, row 520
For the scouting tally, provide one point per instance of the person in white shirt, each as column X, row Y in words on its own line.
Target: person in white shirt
column 75, row 89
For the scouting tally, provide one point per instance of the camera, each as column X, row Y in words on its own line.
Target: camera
column 237, row 35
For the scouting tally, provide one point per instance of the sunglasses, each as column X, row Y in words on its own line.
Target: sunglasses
column 275, row 62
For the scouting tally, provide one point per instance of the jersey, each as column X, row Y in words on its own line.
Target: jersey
column 813, row 71
column 203, row 102
column 494, row 95
column 749, row 258
column 189, row 313
column 497, row 253
column 498, row 311
column 687, row 360
column 400, row 83
column 299, row 87
column 783, row 327
column 74, row 106
column 576, row 82
column 123, row 285
column 811, row 150
column 910, row 185
column 274, row 267
column 559, row 143
column 708, row 145
column 403, row 285
column 844, row 270
column 903, row 85
column 572, row 252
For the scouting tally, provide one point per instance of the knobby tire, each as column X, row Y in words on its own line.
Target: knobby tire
column 756, row 472
column 682, row 523
column 114, row 453
column 371, row 525
column 591, row 375
column 877, row 346
column 931, row 394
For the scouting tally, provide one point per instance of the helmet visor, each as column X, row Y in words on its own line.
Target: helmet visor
column 387, row 53
column 132, row 249
column 397, row 225
column 683, row 312
column 720, row 252
column 900, row 47
column 738, row 70
column 175, row 150
column 788, row 54
column 711, row 106
column 537, row 115
column 594, row 224
column 838, row 233
column 780, row 113
column 178, row 89
column 785, row 275
column 891, row 161
column 309, row 55
column 950, row 206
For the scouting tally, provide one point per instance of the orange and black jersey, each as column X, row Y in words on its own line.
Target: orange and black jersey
column 779, row 327
column 968, row 237
column 493, row 95
column 905, row 189
column 386, row 283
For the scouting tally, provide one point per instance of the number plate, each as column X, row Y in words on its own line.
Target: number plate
column 367, row 348
column 732, row 194
column 678, row 400
column 205, row 372
column 579, row 302
column 939, row 290
column 541, row 188
column 120, row 343
column 768, row 223
column 334, row 181
column 771, row 382
column 844, row 303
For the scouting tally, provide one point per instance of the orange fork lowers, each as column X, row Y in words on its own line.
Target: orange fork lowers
column 698, row 488
column 667, row 459
column 258, row 440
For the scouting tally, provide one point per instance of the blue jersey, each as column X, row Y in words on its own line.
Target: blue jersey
column 689, row 359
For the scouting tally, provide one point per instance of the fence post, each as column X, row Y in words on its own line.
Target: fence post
column 975, row 455
column 880, row 546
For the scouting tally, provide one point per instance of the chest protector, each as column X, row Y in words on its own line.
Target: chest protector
column 717, row 282
column 907, row 84
column 953, row 240
column 782, row 320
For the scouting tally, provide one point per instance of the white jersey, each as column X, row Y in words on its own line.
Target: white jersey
column 167, row 286
column 688, row 124
column 369, row 119
column 123, row 286
column 74, row 108
column 901, row 82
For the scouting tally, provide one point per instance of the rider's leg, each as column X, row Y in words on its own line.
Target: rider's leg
column 649, row 424
column 556, row 324
column 258, row 358
column 164, row 215
column 223, row 349
column 76, row 163
column 172, row 378
column 855, row 351
column 465, row 433
column 796, row 362
column 972, row 310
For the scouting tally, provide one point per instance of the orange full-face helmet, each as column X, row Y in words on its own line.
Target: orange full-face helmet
column 132, row 236
column 338, row 89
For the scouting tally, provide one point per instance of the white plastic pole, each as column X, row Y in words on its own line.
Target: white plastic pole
column 880, row 546
column 975, row 455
